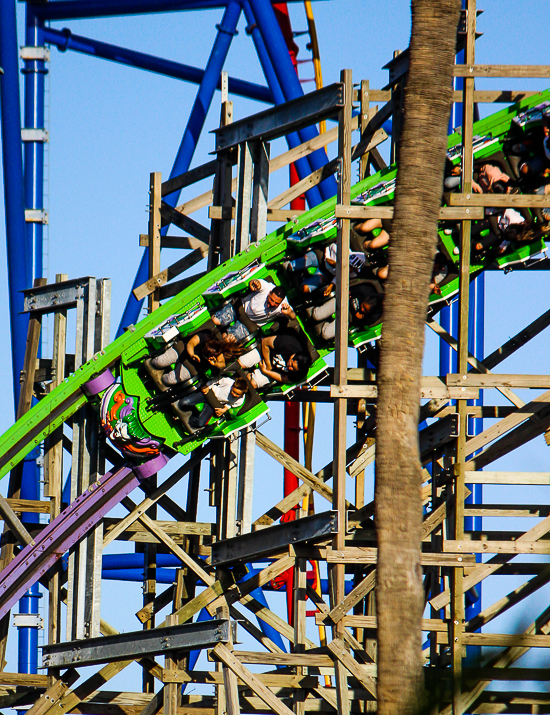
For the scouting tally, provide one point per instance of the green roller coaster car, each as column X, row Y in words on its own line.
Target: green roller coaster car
column 147, row 421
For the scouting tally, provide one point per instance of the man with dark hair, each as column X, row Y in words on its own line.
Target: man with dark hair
column 265, row 302
column 262, row 305
column 283, row 360
column 365, row 308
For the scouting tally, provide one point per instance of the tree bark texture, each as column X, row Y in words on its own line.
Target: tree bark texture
column 422, row 148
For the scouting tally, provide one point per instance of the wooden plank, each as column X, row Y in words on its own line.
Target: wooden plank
column 528, row 71
column 176, row 269
column 171, row 289
column 228, row 658
column 356, row 595
column 29, row 680
column 431, row 388
column 179, row 219
column 494, row 564
column 184, row 557
column 507, row 510
column 517, row 341
column 358, row 670
column 29, row 506
column 140, row 509
column 504, row 96
column 499, row 200
column 54, row 692
column 496, row 547
column 473, row 361
column 446, row 213
column 507, row 423
column 319, row 660
column 511, row 599
column 316, row 177
column 507, row 640
column 428, row 624
column 238, row 592
column 536, row 382
column 520, row 478
column 361, row 555
column 154, row 235
column 183, row 242
column 177, row 183
column 14, row 524
column 299, row 470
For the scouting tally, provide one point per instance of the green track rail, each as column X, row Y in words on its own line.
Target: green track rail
column 68, row 397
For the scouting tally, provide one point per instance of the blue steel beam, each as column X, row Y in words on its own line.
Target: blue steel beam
column 75, row 9
column 303, row 166
column 65, row 40
column 19, row 276
column 226, row 30
column 288, row 80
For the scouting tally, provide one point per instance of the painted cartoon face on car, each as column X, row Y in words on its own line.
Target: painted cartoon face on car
column 120, row 421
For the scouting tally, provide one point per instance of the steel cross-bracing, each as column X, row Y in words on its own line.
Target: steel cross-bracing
column 218, row 573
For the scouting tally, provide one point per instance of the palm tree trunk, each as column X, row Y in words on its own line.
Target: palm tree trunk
column 423, row 143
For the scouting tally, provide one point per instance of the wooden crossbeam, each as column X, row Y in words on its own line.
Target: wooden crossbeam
column 171, row 272
column 14, row 524
column 486, row 380
column 500, row 200
column 224, row 655
column 446, row 213
column 521, row 71
column 473, row 361
column 171, row 215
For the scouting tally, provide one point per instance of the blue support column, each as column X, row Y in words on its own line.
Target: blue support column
column 34, row 72
column 226, row 30
column 288, row 79
column 19, row 276
column 65, row 40
column 303, row 167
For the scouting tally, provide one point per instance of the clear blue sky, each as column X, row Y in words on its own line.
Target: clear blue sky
column 111, row 125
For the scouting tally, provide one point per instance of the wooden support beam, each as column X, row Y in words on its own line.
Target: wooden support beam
column 177, row 183
column 534, row 382
column 171, row 289
column 316, row 177
column 500, row 200
column 223, row 654
column 496, row 547
column 299, row 470
column 446, row 213
column 473, row 361
column 511, row 478
column 148, row 502
column 431, row 387
column 14, row 524
column 358, row 670
column 182, row 242
column 238, row 592
column 176, row 269
column 55, row 692
column 471, row 70
column 154, row 236
column 173, row 215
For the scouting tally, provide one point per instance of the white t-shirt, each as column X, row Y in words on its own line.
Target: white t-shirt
column 356, row 260
column 256, row 307
column 222, row 389
column 509, row 218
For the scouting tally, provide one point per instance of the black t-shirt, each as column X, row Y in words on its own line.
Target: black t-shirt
column 203, row 336
column 357, row 294
column 284, row 347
